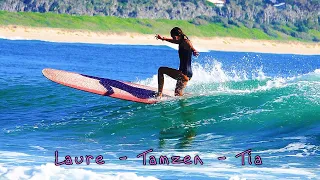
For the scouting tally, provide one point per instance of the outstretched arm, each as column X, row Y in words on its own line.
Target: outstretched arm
column 167, row 39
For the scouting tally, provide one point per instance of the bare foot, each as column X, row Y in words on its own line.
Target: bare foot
column 158, row 95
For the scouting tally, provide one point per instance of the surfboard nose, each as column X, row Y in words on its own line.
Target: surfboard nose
column 45, row 71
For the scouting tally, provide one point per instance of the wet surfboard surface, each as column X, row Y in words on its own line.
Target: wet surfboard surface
column 106, row 87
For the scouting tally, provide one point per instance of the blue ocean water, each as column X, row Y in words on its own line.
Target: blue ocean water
column 266, row 103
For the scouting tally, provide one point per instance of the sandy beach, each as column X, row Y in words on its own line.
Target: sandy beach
column 201, row 44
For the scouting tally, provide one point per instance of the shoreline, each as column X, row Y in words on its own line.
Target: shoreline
column 201, row 44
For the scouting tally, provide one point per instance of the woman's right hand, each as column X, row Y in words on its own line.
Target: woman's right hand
column 158, row 37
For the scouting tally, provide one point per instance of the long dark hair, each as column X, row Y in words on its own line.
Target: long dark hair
column 176, row 31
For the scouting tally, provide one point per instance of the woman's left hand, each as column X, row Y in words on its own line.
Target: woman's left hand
column 196, row 53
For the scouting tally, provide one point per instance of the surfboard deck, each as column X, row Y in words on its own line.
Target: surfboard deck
column 106, row 87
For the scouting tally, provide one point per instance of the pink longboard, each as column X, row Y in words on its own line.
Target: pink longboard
column 105, row 87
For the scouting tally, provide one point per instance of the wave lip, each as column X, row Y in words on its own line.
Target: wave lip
column 208, row 73
column 212, row 78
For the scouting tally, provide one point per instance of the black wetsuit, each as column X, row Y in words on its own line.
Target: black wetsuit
column 185, row 56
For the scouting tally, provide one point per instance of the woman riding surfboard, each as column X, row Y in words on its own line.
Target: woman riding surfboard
column 184, row 73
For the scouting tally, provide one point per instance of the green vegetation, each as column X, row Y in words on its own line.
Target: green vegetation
column 258, row 19
column 144, row 26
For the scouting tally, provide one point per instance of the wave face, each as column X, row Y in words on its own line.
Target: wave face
column 264, row 102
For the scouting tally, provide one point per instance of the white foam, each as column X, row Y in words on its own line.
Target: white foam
column 305, row 148
column 282, row 98
column 237, row 178
column 12, row 154
column 129, row 171
column 39, row 148
column 210, row 72
column 49, row 171
column 17, row 173
column 260, row 75
column 3, row 169
column 210, row 78
column 302, row 138
column 274, row 83
column 14, row 38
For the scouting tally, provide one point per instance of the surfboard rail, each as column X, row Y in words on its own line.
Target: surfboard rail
column 104, row 86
